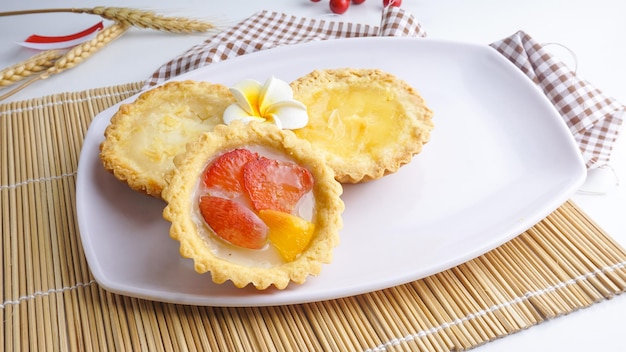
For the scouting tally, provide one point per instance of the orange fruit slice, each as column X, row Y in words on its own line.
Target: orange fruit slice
column 289, row 234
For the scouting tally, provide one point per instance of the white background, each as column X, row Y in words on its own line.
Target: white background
column 594, row 33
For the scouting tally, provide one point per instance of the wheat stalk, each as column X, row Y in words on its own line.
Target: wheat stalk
column 132, row 17
column 81, row 52
column 28, row 67
column 147, row 19
column 124, row 18
column 76, row 55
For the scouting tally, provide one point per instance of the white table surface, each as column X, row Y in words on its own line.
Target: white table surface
column 594, row 31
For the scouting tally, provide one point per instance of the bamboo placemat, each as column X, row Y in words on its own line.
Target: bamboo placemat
column 50, row 301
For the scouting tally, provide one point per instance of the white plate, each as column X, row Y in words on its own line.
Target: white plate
column 500, row 160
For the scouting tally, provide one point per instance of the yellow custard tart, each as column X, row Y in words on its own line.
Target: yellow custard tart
column 253, row 204
column 144, row 136
column 366, row 123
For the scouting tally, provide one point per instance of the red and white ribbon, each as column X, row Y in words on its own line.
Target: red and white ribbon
column 41, row 42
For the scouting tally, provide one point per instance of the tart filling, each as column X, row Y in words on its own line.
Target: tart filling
column 253, row 204
column 367, row 123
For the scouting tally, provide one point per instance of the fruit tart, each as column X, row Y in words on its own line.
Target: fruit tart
column 144, row 136
column 366, row 123
column 252, row 203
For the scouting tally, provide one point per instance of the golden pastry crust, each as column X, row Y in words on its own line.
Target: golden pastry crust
column 183, row 181
column 366, row 122
column 144, row 136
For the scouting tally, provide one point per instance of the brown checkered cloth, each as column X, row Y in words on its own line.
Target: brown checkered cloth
column 593, row 118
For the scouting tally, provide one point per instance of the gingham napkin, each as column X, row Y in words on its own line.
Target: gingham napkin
column 266, row 30
column 593, row 118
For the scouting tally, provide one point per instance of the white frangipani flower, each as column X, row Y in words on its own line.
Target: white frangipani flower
column 270, row 102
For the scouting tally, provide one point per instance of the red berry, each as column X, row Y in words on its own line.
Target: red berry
column 339, row 6
column 356, row 2
column 316, row 0
column 276, row 185
column 224, row 176
column 233, row 222
column 396, row 3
